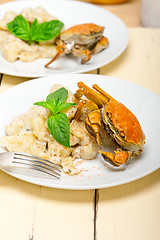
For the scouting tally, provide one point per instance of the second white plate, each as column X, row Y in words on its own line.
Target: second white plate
column 71, row 13
column 142, row 102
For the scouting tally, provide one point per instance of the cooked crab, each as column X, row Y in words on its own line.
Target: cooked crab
column 118, row 121
column 82, row 41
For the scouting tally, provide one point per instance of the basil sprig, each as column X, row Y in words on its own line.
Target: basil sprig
column 58, row 122
column 37, row 32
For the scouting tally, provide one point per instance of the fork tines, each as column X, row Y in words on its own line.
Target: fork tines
column 36, row 163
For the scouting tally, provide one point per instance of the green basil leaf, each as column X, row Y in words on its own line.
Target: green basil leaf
column 44, row 104
column 59, row 128
column 33, row 28
column 37, row 32
column 57, row 98
column 65, row 106
column 45, row 31
column 20, row 28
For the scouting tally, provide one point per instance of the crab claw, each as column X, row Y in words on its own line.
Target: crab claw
column 120, row 157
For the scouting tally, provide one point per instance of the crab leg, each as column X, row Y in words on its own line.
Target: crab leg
column 84, row 54
column 93, row 119
column 120, row 157
column 93, row 123
column 85, row 103
column 101, row 44
column 103, row 93
column 59, row 52
column 92, row 95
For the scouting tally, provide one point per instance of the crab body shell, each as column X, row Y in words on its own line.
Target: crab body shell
column 84, row 34
column 82, row 40
column 124, row 126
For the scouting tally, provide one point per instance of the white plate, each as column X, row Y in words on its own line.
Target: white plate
column 142, row 102
column 71, row 13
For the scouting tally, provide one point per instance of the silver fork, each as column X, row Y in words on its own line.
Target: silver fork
column 15, row 159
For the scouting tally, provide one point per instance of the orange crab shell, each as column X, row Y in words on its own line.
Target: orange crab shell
column 125, row 125
column 85, row 29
